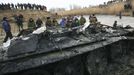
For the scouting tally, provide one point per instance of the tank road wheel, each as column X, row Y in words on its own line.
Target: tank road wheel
column 35, row 72
column 96, row 63
column 70, row 67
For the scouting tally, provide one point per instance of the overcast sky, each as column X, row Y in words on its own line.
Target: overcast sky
column 58, row 3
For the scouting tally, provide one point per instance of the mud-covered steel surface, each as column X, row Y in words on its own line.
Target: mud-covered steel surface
column 114, row 59
column 32, row 62
column 49, row 47
column 20, row 46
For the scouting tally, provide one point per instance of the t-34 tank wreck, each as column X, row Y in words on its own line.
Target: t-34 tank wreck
column 102, row 50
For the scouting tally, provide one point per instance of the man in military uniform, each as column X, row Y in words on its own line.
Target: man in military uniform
column 39, row 23
column 93, row 20
column 82, row 20
column 48, row 22
column 54, row 22
column 93, row 24
column 19, row 21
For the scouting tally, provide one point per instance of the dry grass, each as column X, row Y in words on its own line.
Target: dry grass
column 27, row 14
column 111, row 9
column 132, row 3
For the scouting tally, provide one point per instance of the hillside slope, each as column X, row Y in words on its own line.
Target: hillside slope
column 111, row 9
column 26, row 13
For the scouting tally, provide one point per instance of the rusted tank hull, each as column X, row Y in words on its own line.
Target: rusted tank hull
column 67, row 53
column 112, row 57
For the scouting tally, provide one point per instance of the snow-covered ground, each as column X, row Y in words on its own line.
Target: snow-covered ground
column 39, row 30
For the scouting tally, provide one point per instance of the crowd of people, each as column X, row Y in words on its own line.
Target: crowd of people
column 11, row 6
column 127, row 6
column 66, row 22
column 72, row 21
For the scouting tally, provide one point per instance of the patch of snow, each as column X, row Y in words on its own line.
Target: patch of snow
column 25, row 38
column 85, row 26
column 14, row 38
column 39, row 30
column 110, row 30
column 7, row 44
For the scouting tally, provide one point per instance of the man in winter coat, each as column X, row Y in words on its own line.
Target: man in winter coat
column 7, row 29
column 63, row 23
